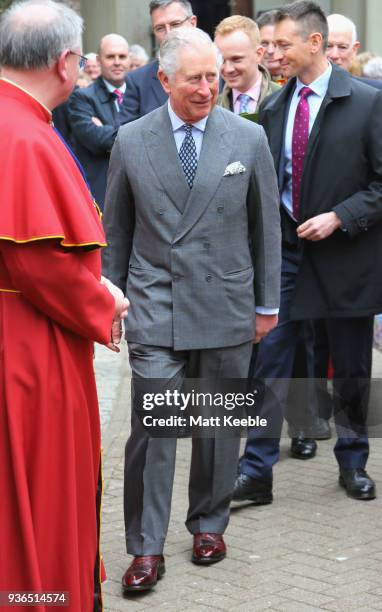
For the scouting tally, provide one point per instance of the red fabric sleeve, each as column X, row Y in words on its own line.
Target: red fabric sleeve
column 59, row 284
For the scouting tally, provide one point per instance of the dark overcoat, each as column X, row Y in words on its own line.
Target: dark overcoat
column 340, row 276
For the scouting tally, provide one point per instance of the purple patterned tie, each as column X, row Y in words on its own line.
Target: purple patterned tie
column 299, row 145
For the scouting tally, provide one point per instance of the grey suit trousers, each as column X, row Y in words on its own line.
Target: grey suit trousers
column 150, row 462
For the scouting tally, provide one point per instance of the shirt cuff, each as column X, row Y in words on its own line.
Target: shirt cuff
column 267, row 311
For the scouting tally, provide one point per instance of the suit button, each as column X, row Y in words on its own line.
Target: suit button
column 220, row 209
column 208, row 278
column 206, row 245
column 175, row 278
column 362, row 222
column 174, row 246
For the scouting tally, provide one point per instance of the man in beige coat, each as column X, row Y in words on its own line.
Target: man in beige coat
column 247, row 82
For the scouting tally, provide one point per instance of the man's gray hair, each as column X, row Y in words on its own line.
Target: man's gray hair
column 160, row 4
column 178, row 39
column 34, row 33
column 138, row 52
column 340, row 23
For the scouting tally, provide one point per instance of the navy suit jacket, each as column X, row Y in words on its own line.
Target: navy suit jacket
column 372, row 82
column 144, row 93
column 92, row 144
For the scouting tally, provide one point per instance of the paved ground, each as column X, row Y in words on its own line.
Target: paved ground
column 312, row 549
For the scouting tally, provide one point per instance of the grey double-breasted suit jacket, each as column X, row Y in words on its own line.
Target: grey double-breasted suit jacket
column 193, row 262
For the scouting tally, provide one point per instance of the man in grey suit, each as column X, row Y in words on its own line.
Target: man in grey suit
column 193, row 228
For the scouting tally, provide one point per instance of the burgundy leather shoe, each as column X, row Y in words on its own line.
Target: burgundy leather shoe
column 208, row 548
column 143, row 573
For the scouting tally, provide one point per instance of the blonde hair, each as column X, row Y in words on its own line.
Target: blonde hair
column 358, row 63
column 239, row 22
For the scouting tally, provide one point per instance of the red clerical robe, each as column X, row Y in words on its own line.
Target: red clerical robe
column 52, row 308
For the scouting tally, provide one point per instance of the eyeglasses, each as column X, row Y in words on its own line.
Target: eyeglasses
column 162, row 28
column 83, row 59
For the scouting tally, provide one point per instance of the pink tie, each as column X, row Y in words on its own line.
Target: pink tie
column 299, row 145
column 119, row 95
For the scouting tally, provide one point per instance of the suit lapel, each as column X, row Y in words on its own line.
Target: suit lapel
column 216, row 150
column 339, row 87
column 107, row 101
column 163, row 155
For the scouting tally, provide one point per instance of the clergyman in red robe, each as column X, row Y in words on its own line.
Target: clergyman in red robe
column 53, row 306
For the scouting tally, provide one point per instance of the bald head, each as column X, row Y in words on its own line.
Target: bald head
column 33, row 34
column 113, row 56
column 111, row 40
column 343, row 44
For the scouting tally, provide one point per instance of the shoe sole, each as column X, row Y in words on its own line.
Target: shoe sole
column 145, row 587
column 259, row 500
column 302, row 457
column 360, row 496
column 207, row 561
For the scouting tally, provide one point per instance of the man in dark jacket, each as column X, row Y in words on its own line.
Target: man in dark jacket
column 94, row 113
column 144, row 93
column 324, row 129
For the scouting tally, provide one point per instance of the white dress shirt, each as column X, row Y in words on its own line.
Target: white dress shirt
column 112, row 88
column 198, row 130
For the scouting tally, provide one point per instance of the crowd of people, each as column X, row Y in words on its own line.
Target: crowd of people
column 240, row 181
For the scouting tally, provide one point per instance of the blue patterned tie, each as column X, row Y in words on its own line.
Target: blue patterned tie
column 188, row 155
column 244, row 102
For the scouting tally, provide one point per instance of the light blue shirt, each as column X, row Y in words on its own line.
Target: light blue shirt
column 319, row 87
column 111, row 88
column 198, row 130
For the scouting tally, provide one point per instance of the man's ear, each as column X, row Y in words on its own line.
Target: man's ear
column 260, row 53
column 316, row 42
column 356, row 47
column 164, row 80
column 194, row 21
column 61, row 66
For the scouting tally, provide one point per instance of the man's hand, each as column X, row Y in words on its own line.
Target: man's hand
column 319, row 227
column 121, row 308
column 97, row 121
column 264, row 324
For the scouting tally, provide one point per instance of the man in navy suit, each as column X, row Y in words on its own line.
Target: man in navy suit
column 144, row 93
column 324, row 131
column 94, row 113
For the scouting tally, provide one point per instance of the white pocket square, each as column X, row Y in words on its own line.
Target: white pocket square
column 234, row 168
